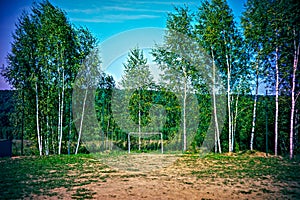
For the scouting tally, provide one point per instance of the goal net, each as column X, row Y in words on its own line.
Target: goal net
column 143, row 135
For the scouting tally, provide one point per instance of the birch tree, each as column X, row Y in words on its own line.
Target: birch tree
column 137, row 76
column 293, row 29
column 46, row 54
column 271, row 29
column 87, row 80
column 254, row 25
column 177, row 60
column 57, row 49
column 22, row 71
column 219, row 36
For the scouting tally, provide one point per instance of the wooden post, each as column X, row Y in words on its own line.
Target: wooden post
column 162, row 143
column 266, row 122
column 128, row 142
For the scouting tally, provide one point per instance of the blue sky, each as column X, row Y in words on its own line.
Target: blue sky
column 104, row 18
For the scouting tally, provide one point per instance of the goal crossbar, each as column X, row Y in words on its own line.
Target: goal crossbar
column 146, row 133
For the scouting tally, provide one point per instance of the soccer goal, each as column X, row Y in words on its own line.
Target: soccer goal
column 144, row 135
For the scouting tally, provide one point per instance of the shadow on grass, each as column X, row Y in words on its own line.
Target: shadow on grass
column 30, row 177
column 247, row 166
column 22, row 177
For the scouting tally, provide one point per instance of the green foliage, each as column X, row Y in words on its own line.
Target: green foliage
column 136, row 73
column 136, row 80
column 46, row 54
column 217, row 33
column 271, row 29
column 7, row 108
column 48, row 51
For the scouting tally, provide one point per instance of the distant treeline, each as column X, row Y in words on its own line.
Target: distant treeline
column 204, row 53
column 11, row 129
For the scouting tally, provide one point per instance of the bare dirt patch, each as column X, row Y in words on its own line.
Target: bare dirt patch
column 186, row 178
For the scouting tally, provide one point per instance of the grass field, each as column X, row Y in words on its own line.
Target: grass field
column 216, row 176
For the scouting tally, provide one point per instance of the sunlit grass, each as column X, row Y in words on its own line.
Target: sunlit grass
column 22, row 177
column 244, row 166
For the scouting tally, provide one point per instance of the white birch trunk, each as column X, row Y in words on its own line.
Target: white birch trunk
column 37, row 119
column 235, row 119
column 139, row 121
column 184, row 111
column 217, row 133
column 58, row 125
column 296, row 56
column 81, row 121
column 229, row 106
column 276, row 101
column 47, row 136
column 70, row 128
column 254, row 109
column 61, row 113
column 228, row 101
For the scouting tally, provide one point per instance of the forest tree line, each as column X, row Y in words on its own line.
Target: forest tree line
column 48, row 51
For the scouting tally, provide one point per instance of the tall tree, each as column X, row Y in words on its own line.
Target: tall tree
column 176, row 59
column 22, row 71
column 219, row 36
column 292, row 26
column 271, row 29
column 58, row 52
column 254, row 24
column 276, row 50
column 103, row 97
column 87, row 79
column 137, row 76
column 46, row 54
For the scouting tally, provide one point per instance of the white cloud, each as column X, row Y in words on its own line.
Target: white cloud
column 120, row 11
column 84, row 11
column 94, row 20
column 131, row 17
column 120, row 8
column 113, row 8
column 163, row 2
column 114, row 18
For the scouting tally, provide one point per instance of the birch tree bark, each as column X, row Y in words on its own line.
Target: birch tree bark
column 217, row 132
column 295, row 65
column 37, row 120
column 254, row 107
column 81, row 121
column 276, row 101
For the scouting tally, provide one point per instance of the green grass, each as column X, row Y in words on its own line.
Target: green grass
column 245, row 166
column 22, row 177
column 82, row 193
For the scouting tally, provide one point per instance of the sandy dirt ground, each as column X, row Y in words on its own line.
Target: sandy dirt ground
column 175, row 180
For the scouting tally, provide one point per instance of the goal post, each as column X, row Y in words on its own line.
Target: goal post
column 148, row 133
